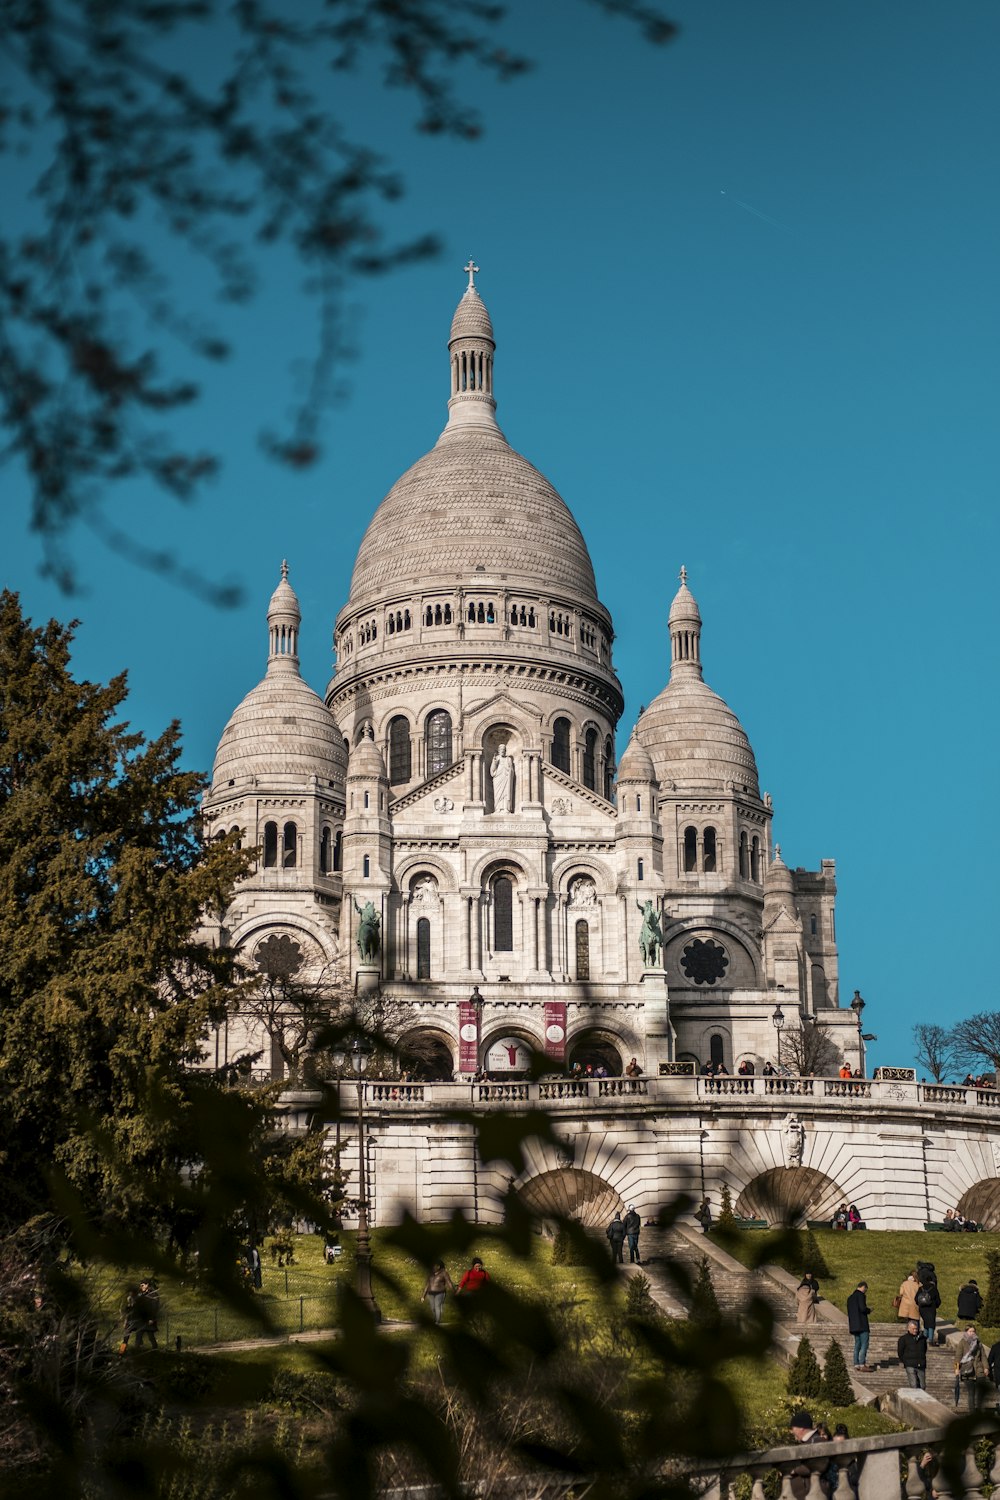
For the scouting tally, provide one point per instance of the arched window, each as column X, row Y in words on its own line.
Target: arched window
column 812, row 924
column 640, row 870
column 437, row 741
column 560, row 745
column 270, row 845
column 609, row 770
column 583, row 949
column 366, row 866
column 590, row 760
column 423, row 948
column 290, row 847
column 690, row 850
column 716, row 1050
column 503, row 915
column 708, row 851
column 324, row 851
column 399, row 750
column 239, row 835
column 338, row 850
column 755, row 858
column 744, row 856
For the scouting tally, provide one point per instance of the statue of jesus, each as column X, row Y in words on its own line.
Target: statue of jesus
column 502, row 772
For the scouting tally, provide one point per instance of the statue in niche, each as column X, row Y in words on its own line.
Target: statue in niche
column 502, row 774
column 795, row 1141
column 650, row 935
column 369, row 937
column 583, row 893
column 424, row 891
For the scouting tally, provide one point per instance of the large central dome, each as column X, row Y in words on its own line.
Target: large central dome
column 472, row 504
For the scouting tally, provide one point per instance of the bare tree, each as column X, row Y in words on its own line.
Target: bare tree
column 809, row 1049
column 935, row 1050
column 148, row 172
column 977, row 1039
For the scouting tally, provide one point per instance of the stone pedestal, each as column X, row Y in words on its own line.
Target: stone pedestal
column 660, row 1034
column 367, row 979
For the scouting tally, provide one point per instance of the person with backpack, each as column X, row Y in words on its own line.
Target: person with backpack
column 928, row 1300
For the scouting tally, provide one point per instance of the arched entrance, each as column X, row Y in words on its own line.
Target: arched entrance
column 981, row 1204
column 790, row 1195
column 595, row 1049
column 573, row 1194
column 427, row 1057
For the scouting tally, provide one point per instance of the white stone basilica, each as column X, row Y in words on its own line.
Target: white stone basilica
column 461, row 777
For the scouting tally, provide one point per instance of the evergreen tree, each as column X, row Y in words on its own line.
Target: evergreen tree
column 106, row 992
column 812, row 1258
column 837, row 1387
column 805, row 1378
column 726, row 1219
column 704, row 1302
column 990, row 1314
column 639, row 1301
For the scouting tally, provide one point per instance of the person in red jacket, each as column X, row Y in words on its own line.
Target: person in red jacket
column 475, row 1277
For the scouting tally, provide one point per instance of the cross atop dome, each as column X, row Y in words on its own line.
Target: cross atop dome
column 683, row 574
column 472, row 269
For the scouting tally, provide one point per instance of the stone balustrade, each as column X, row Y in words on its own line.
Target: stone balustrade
column 888, row 1468
column 640, row 1092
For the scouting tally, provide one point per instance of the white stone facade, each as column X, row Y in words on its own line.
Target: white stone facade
column 474, row 624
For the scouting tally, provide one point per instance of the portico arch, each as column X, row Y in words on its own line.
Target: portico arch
column 572, row 1193
column 981, row 1203
column 598, row 1047
column 427, row 1055
column 790, row 1195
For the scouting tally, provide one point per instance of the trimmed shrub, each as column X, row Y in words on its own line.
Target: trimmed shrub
column 805, row 1378
column 704, row 1302
column 726, row 1219
column 837, row 1387
column 990, row 1314
column 639, row 1299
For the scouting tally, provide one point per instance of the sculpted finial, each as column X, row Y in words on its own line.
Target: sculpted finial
column 777, row 851
column 472, row 268
column 683, row 574
column 284, row 570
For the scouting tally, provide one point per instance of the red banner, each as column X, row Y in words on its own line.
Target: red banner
column 555, row 1030
column 468, row 1037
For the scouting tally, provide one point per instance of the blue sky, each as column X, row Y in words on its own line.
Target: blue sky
column 745, row 297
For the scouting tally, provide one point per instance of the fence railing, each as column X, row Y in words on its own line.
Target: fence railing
column 888, row 1467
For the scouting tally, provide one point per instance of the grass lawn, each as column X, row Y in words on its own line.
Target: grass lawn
column 883, row 1258
column 303, row 1296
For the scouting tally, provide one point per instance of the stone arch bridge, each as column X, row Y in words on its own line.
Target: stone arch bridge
column 903, row 1152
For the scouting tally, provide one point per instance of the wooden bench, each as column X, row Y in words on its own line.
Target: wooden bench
column 943, row 1228
column 751, row 1223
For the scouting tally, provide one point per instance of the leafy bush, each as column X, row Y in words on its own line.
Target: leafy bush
column 305, row 1391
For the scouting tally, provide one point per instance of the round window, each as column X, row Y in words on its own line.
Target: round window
column 705, row 962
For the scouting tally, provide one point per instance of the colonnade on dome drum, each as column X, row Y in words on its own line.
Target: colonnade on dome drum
column 789, row 1150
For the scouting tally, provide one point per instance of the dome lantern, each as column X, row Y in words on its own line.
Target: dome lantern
column 283, row 620
column 684, row 622
column 471, row 348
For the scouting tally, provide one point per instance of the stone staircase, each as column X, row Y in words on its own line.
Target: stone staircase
column 735, row 1285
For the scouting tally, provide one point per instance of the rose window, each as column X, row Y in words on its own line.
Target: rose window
column 704, row 962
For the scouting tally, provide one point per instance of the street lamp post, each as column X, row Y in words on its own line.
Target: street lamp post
column 778, row 1021
column 359, row 1054
column 858, row 1005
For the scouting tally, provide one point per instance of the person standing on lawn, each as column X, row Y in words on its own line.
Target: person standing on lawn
column 912, row 1350
column 858, row 1313
column 439, row 1283
column 474, row 1279
column 969, row 1300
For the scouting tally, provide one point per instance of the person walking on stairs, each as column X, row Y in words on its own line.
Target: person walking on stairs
column 912, row 1350
column 858, row 1313
column 806, row 1297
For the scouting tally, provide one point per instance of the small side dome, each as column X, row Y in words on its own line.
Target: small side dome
column 366, row 763
column 282, row 735
column 636, row 764
column 778, row 880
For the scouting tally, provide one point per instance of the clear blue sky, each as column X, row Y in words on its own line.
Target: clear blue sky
column 745, row 295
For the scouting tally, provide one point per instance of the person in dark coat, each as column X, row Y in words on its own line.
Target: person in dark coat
column 632, row 1224
column 969, row 1300
column 993, row 1363
column 616, row 1236
column 928, row 1301
column 858, row 1313
column 912, row 1351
